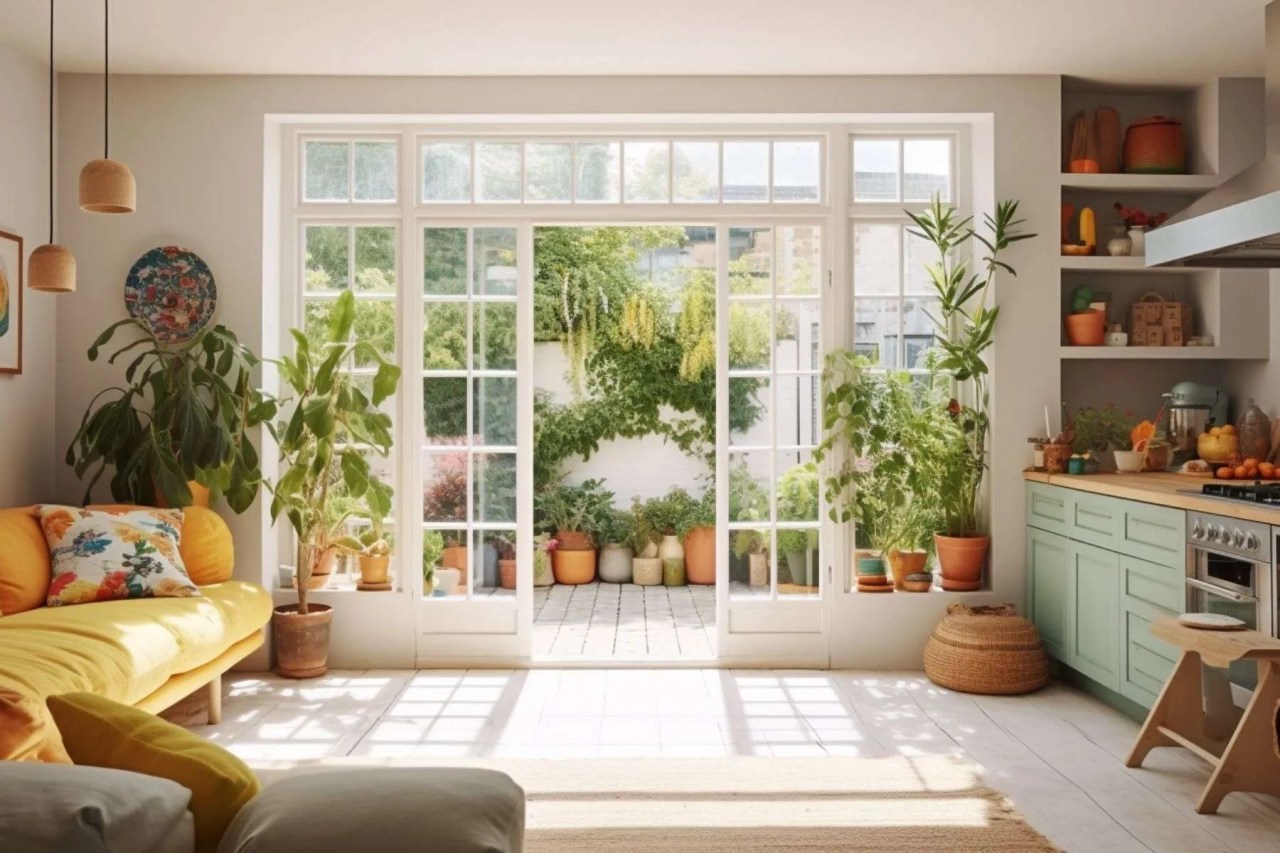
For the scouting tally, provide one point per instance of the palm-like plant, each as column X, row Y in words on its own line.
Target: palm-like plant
column 967, row 320
column 321, row 442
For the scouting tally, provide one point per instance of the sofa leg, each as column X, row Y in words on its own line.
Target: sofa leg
column 215, row 700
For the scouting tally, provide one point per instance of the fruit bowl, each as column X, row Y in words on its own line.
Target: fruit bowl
column 1218, row 448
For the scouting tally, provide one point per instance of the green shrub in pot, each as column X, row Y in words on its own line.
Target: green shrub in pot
column 583, row 509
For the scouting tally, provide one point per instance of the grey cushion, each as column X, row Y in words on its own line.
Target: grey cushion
column 69, row 809
column 383, row 809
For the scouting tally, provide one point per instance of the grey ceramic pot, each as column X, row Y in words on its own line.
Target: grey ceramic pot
column 615, row 564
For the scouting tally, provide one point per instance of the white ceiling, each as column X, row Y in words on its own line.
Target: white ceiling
column 1130, row 41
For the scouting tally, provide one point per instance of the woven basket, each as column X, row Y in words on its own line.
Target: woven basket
column 989, row 650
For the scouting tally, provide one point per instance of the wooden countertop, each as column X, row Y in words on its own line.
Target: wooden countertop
column 1159, row 488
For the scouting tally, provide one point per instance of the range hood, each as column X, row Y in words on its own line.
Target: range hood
column 1236, row 225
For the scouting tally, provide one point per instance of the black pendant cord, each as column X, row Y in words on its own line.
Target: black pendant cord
column 51, row 121
column 106, row 79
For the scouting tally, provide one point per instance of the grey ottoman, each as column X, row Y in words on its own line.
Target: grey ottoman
column 383, row 809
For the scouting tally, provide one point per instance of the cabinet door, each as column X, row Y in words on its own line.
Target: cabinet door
column 1047, row 507
column 1094, row 609
column 1048, row 560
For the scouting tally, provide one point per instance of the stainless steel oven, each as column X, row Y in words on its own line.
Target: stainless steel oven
column 1230, row 571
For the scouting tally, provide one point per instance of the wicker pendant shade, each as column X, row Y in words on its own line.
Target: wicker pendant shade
column 107, row 186
column 52, row 269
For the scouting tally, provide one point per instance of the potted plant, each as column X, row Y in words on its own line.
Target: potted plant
column 698, row 536
column 451, row 576
column 671, row 517
column 319, row 455
column 1103, row 429
column 506, row 551
column 616, row 554
column 798, row 501
column 374, row 555
column 646, row 565
column 432, row 549
column 176, row 432
column 574, row 514
column 753, row 546
column 967, row 321
column 543, row 545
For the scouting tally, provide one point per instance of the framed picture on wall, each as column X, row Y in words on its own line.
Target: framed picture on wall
column 10, row 303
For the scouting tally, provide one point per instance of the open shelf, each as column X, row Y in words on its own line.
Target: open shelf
column 1119, row 182
column 1124, row 264
column 1067, row 352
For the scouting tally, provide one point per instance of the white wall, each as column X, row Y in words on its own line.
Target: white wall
column 27, row 446
column 196, row 147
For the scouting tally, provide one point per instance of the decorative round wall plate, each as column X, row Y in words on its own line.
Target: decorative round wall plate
column 171, row 290
column 1211, row 621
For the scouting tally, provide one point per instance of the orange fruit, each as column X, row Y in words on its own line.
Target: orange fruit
column 1224, row 473
column 1251, row 473
column 1215, row 431
column 1241, row 472
column 1228, row 429
column 1267, row 470
column 1252, row 462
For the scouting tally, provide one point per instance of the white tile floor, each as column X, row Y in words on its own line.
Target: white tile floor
column 607, row 621
column 1058, row 754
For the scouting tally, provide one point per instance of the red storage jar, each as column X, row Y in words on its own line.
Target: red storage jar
column 1155, row 146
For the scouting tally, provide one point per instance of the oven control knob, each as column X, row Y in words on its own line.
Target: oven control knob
column 1197, row 529
column 1237, row 537
column 1223, row 535
column 1251, row 542
column 1218, row 534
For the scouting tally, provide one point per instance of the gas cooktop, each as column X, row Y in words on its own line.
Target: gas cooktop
column 1257, row 493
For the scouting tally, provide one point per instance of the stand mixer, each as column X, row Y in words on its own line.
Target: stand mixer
column 1192, row 408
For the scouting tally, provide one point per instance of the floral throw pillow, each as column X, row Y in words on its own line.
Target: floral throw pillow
column 100, row 556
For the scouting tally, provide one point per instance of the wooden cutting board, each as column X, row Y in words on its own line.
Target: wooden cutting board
column 1106, row 123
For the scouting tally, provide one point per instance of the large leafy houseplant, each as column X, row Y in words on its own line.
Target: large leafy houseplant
column 183, row 414
column 320, row 443
column 966, row 318
column 584, row 509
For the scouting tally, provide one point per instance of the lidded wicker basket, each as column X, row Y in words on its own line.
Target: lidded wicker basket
column 988, row 650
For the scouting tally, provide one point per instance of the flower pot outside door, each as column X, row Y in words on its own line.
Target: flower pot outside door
column 507, row 573
column 574, row 567
column 961, row 559
column 615, row 563
column 758, row 569
column 302, row 642
column 646, row 571
column 671, row 553
column 571, row 540
column 700, row 555
column 457, row 557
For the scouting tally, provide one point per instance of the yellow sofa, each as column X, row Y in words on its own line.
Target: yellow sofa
column 147, row 652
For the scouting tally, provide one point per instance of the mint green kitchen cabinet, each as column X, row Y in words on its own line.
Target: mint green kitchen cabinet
column 1099, row 571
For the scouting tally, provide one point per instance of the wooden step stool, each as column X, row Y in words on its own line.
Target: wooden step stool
column 1244, row 760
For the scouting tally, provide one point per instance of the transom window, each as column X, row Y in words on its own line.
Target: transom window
column 623, row 170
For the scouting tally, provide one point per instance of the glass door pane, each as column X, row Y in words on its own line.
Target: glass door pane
column 469, row 411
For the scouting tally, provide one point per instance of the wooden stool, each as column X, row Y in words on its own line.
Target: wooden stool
column 1243, row 760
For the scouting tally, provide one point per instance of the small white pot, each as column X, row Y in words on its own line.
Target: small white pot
column 447, row 580
column 1130, row 461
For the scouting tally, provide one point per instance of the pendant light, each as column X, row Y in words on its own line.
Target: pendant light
column 52, row 268
column 106, row 185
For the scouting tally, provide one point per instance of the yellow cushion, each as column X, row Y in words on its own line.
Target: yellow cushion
column 206, row 546
column 103, row 733
column 26, row 732
column 126, row 649
column 25, row 570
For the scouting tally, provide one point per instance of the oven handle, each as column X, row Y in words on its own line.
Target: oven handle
column 1220, row 592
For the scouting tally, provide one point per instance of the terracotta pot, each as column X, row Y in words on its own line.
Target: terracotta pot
column 615, row 563
column 961, row 558
column 572, row 540
column 373, row 569
column 646, row 571
column 758, row 569
column 700, row 555
column 457, row 557
column 573, row 567
column 1086, row 328
column 1056, row 457
column 302, row 642
column 507, row 572
column 903, row 563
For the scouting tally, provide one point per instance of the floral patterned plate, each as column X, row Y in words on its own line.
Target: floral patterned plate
column 171, row 290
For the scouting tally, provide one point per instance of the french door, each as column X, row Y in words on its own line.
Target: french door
column 474, row 465
column 773, row 572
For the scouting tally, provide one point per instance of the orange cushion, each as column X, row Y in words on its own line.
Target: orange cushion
column 26, row 732
column 25, row 570
column 206, row 546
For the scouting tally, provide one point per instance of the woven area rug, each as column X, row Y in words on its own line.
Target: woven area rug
column 696, row 805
